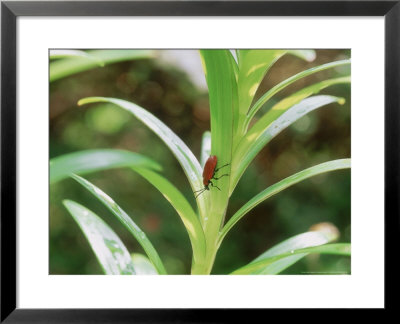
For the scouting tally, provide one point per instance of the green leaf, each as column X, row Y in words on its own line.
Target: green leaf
column 268, row 95
column 258, row 267
column 57, row 54
column 124, row 218
column 72, row 65
column 142, row 265
column 222, row 91
column 183, row 208
column 283, row 105
column 281, row 185
column 267, row 128
column 324, row 233
column 111, row 253
column 87, row 161
column 253, row 66
column 183, row 154
column 274, row 113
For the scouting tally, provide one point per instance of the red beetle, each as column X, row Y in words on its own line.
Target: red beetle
column 209, row 173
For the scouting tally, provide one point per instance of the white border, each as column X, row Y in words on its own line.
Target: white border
column 364, row 288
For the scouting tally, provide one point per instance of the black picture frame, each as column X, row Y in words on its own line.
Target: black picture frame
column 11, row 10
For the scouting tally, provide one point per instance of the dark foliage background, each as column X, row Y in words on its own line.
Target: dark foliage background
column 168, row 93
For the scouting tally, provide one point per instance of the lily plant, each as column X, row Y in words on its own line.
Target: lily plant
column 238, row 132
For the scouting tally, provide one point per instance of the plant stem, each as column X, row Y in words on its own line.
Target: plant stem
column 205, row 267
column 211, row 225
column 198, row 268
column 209, row 261
column 212, row 229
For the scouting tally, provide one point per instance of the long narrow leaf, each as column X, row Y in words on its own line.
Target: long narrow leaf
column 143, row 265
column 283, row 105
column 281, row 185
column 223, row 101
column 273, row 114
column 87, row 161
column 222, row 90
column 325, row 233
column 183, row 208
column 57, row 54
column 255, row 267
column 111, row 253
column 268, row 95
column 68, row 66
column 261, row 134
column 124, row 218
column 183, row 154
column 253, row 65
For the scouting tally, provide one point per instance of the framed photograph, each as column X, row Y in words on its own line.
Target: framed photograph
column 184, row 161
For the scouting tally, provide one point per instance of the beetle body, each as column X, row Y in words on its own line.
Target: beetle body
column 209, row 174
column 209, row 169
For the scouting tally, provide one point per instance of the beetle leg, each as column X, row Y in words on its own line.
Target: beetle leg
column 213, row 185
column 220, row 176
column 221, row 167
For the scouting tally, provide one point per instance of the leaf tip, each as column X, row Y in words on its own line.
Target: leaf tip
column 87, row 100
column 82, row 102
column 331, row 232
column 310, row 56
column 67, row 203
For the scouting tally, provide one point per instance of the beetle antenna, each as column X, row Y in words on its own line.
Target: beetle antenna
column 201, row 191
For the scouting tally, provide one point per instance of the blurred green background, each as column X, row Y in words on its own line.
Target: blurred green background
column 172, row 87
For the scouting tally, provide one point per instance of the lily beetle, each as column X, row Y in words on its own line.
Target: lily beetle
column 209, row 174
